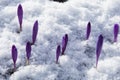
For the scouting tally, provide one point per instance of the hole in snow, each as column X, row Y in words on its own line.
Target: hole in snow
column 60, row 0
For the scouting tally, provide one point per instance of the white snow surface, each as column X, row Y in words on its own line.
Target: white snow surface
column 56, row 19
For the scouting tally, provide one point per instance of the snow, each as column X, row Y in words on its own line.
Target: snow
column 108, row 68
column 56, row 19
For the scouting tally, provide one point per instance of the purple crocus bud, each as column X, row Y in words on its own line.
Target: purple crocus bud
column 14, row 55
column 35, row 31
column 116, row 31
column 58, row 51
column 64, row 43
column 28, row 51
column 20, row 15
column 99, row 48
column 88, row 30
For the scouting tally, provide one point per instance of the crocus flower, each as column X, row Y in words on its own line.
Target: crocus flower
column 99, row 48
column 20, row 15
column 58, row 51
column 88, row 30
column 28, row 51
column 116, row 31
column 14, row 55
column 64, row 43
column 35, row 31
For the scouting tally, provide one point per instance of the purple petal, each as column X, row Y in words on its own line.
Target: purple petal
column 99, row 48
column 35, row 31
column 14, row 54
column 64, row 43
column 66, row 39
column 116, row 31
column 88, row 30
column 58, row 51
column 28, row 50
column 20, row 15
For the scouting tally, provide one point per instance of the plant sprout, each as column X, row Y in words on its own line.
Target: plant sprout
column 88, row 30
column 35, row 31
column 99, row 48
column 14, row 55
column 64, row 43
column 58, row 51
column 20, row 15
column 116, row 31
column 28, row 52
